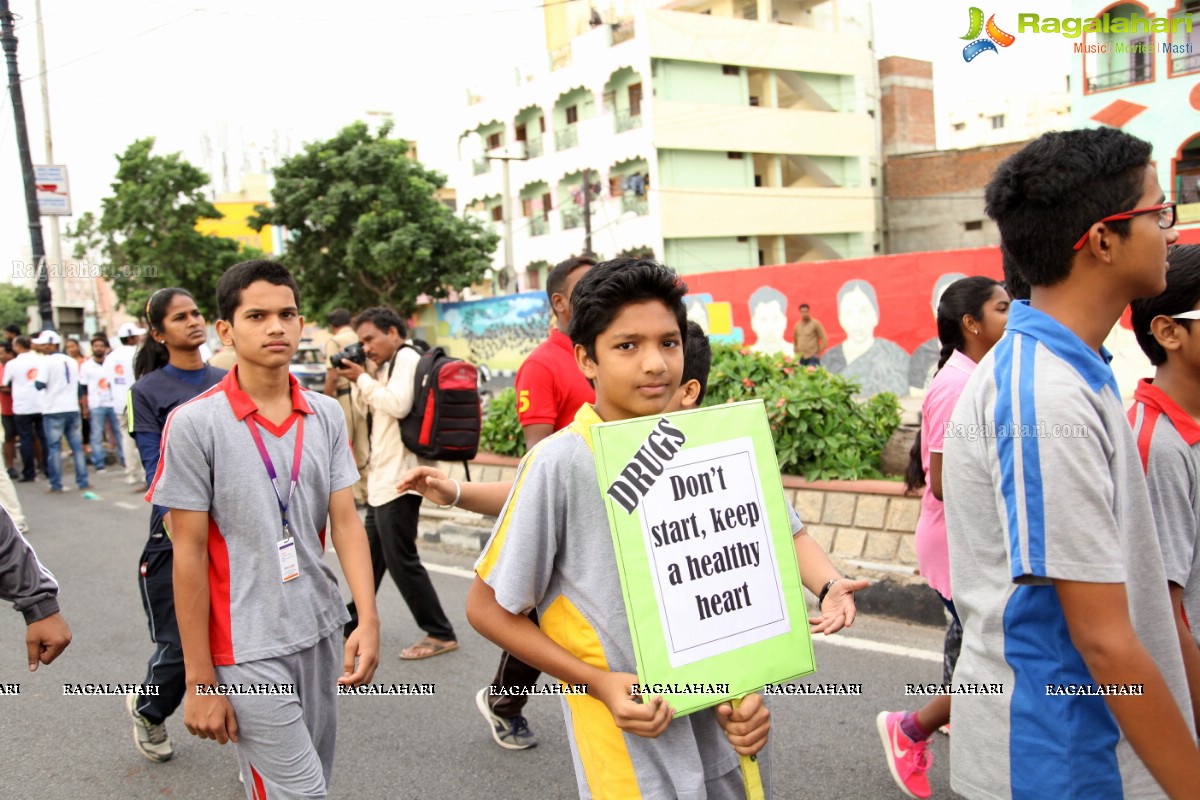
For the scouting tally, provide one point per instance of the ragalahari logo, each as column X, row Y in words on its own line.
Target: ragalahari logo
column 995, row 36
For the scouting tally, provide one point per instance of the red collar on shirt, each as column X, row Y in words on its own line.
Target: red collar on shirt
column 1150, row 395
column 243, row 406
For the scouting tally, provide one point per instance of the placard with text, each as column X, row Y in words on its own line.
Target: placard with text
column 704, row 547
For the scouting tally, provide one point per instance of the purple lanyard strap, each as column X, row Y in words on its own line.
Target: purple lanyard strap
column 266, row 459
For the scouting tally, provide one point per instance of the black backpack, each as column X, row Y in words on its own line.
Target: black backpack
column 446, row 414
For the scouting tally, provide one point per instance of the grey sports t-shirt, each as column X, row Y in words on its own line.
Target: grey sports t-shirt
column 210, row 463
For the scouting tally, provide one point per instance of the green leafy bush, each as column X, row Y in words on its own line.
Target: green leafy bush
column 820, row 430
column 501, row 433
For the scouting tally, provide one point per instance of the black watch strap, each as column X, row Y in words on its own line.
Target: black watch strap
column 824, row 591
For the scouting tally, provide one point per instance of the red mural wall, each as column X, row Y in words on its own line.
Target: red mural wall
column 903, row 285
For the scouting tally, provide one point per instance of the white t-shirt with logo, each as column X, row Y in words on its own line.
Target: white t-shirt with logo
column 119, row 364
column 98, row 382
column 60, row 374
column 20, row 373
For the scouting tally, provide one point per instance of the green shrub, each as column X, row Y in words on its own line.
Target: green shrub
column 820, row 430
column 501, row 433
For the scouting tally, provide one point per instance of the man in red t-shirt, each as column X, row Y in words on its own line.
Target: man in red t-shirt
column 550, row 389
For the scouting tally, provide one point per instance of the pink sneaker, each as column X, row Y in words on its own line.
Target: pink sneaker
column 907, row 760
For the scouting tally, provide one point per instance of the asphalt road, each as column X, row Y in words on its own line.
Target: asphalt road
column 67, row 747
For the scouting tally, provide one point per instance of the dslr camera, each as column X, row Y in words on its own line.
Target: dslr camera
column 352, row 353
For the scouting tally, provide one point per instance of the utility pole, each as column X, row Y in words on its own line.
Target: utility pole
column 507, row 210
column 55, row 236
column 9, row 42
column 587, row 213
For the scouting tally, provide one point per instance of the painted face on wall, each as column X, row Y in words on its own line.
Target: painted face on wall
column 857, row 316
column 769, row 321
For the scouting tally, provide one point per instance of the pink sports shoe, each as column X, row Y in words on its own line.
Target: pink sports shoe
column 907, row 760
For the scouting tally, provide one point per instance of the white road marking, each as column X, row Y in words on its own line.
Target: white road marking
column 835, row 639
column 879, row 647
column 458, row 571
column 126, row 506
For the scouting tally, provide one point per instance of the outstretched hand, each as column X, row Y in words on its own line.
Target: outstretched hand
column 838, row 610
column 432, row 484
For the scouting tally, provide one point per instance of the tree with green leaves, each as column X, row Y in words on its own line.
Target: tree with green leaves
column 14, row 303
column 364, row 228
column 148, row 227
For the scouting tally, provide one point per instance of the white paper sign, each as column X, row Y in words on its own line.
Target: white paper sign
column 711, row 556
column 53, row 192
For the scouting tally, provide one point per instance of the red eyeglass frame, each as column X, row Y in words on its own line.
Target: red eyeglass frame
column 1129, row 215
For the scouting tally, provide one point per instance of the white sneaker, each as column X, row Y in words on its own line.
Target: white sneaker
column 151, row 740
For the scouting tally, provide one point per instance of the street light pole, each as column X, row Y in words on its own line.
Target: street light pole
column 9, row 43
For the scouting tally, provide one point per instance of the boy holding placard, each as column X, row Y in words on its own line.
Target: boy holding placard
column 552, row 549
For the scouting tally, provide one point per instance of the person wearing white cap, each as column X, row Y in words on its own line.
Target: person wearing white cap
column 58, row 380
column 119, row 364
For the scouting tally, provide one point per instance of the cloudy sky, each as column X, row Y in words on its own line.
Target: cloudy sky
column 256, row 70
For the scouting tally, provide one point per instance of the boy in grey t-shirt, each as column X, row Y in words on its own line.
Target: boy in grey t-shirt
column 1166, row 423
column 250, row 470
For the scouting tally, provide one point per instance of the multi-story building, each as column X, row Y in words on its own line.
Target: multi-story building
column 716, row 134
column 1146, row 82
column 1017, row 117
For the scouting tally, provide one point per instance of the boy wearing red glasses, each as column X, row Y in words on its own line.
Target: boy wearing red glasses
column 1059, row 580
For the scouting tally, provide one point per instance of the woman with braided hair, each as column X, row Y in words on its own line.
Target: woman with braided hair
column 970, row 320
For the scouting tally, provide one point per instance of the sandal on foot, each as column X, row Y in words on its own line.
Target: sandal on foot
column 428, row 648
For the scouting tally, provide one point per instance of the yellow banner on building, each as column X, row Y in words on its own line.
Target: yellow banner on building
column 234, row 226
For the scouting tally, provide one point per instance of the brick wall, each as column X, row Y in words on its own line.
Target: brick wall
column 944, row 172
column 866, row 526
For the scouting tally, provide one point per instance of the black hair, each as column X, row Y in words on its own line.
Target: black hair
column 154, row 355
column 239, row 276
column 803, row 306
column 98, row 337
column 697, row 358
column 5, row 344
column 1013, row 282
column 339, row 318
column 1048, row 194
column 611, row 285
column 13, row 328
column 24, row 342
column 382, row 318
column 1182, row 294
column 558, row 276
column 964, row 296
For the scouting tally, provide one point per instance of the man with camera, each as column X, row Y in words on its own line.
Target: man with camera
column 337, row 387
column 392, row 517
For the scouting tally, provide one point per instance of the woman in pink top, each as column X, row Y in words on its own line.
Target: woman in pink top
column 970, row 320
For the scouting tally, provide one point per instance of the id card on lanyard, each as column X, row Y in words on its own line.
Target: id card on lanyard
column 289, row 564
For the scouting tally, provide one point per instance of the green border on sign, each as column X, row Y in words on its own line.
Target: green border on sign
column 748, row 668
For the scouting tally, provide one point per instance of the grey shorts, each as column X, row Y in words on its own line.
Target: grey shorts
column 286, row 742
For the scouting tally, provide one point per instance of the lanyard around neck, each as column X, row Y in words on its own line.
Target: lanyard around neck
column 266, row 459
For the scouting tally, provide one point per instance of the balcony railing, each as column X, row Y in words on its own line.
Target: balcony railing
column 1121, row 77
column 634, row 203
column 626, row 121
column 572, row 217
column 567, row 138
column 533, row 148
column 539, row 226
column 1185, row 63
column 480, row 166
